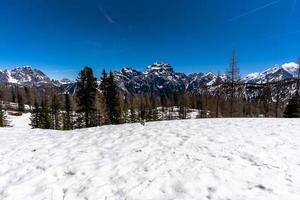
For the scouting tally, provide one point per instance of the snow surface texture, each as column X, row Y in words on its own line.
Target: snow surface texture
column 235, row 159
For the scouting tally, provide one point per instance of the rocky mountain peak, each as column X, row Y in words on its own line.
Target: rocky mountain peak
column 159, row 68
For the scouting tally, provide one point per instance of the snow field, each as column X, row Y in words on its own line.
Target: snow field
column 233, row 159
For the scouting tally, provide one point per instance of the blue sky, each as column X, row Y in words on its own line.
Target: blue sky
column 62, row 36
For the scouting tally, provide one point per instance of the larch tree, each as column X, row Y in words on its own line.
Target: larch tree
column 2, row 112
column 233, row 75
column 67, row 115
column 21, row 107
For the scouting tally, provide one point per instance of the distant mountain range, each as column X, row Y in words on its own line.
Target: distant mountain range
column 158, row 78
column 276, row 73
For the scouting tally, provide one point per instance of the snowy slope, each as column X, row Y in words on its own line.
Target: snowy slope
column 275, row 73
column 192, row 159
column 22, row 121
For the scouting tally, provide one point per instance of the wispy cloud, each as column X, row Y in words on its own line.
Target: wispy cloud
column 254, row 10
column 106, row 15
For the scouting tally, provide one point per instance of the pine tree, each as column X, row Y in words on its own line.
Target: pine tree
column 45, row 118
column 104, row 83
column 55, row 113
column 86, row 96
column 35, row 115
column 293, row 108
column 67, row 116
column 110, row 91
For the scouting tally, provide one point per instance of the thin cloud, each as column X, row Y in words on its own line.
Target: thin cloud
column 254, row 10
column 106, row 15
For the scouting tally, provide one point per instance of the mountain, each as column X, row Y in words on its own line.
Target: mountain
column 25, row 76
column 276, row 73
column 158, row 78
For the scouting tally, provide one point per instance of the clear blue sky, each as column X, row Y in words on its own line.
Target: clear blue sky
column 62, row 36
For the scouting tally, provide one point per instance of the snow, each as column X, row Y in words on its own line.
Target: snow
column 10, row 78
column 190, row 159
column 292, row 68
column 22, row 121
column 254, row 75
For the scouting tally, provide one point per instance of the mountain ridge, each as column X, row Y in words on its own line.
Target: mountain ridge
column 158, row 78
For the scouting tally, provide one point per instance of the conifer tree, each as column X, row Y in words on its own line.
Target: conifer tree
column 13, row 95
column 132, row 114
column 28, row 96
column 104, row 88
column 110, row 91
column 2, row 115
column 104, row 83
column 55, row 113
column 114, row 103
column 86, row 96
column 293, row 108
column 67, row 116
column 133, row 117
column 45, row 118
column 35, row 115
column 125, row 110
column 21, row 107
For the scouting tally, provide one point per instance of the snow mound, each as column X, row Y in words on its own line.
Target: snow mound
column 191, row 159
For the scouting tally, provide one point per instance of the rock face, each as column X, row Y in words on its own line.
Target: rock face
column 157, row 79
column 25, row 76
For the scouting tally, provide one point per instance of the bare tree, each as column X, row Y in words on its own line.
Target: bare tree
column 233, row 75
column 218, row 94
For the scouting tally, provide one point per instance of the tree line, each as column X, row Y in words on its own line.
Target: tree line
column 89, row 107
column 96, row 104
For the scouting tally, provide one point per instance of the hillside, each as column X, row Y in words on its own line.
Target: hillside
column 192, row 159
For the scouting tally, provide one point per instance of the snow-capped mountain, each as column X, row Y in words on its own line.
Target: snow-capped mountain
column 198, row 80
column 158, row 78
column 276, row 73
column 25, row 76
